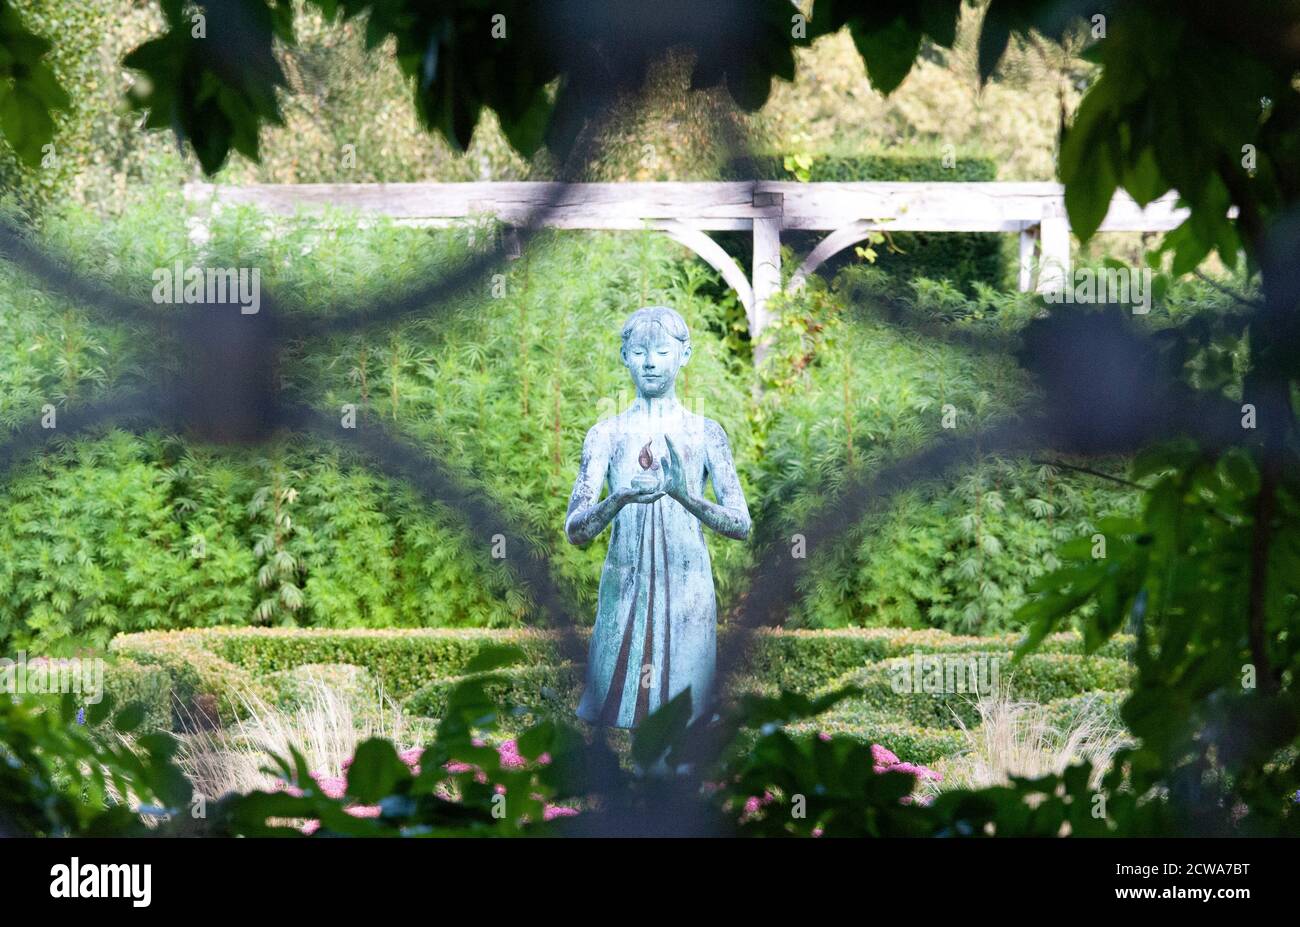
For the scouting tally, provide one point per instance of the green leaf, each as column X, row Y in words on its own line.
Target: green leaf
column 129, row 718
column 100, row 711
column 1143, row 179
column 749, row 85
column 995, row 33
column 12, row 118
column 939, row 20
column 68, row 708
column 661, row 731
column 495, row 657
column 535, row 741
column 375, row 771
column 1089, row 192
column 888, row 52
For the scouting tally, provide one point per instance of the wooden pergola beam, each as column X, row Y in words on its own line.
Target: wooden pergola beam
column 849, row 211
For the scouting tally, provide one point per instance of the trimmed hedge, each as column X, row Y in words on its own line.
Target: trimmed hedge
column 1063, row 713
column 407, row 659
column 527, row 689
column 214, row 669
column 1039, row 678
column 296, row 687
column 806, row 661
column 403, row 660
column 911, row 742
column 205, row 688
column 129, row 682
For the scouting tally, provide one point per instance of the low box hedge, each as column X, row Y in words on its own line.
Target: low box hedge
column 1040, row 678
column 129, row 682
column 806, row 661
column 403, row 660
column 533, row 689
column 909, row 742
column 206, row 689
column 213, row 670
column 301, row 686
column 1064, row 713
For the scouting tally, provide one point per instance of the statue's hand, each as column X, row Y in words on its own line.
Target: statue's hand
column 641, row 495
column 674, row 473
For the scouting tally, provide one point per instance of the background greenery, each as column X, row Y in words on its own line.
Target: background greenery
column 130, row 532
column 1205, row 573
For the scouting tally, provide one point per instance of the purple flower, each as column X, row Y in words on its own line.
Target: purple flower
column 81, row 716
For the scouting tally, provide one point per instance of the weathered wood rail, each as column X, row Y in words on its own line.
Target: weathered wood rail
column 688, row 211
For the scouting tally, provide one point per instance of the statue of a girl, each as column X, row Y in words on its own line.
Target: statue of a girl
column 656, row 624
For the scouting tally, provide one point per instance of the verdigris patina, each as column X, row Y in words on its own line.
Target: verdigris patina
column 656, row 623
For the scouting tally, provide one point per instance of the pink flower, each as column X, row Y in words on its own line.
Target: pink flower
column 755, row 802
column 336, row 786
column 882, row 757
column 510, row 758
column 920, row 772
column 281, row 786
column 412, row 759
column 331, row 786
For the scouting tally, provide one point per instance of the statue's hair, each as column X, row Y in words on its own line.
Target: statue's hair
column 667, row 318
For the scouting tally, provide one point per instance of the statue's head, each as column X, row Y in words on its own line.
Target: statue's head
column 656, row 345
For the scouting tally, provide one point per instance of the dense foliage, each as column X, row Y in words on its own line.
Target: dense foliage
column 155, row 531
column 61, row 778
column 1213, row 702
column 1186, row 101
column 857, row 390
column 750, row 772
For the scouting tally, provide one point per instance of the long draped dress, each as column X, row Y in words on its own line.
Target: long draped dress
column 656, row 624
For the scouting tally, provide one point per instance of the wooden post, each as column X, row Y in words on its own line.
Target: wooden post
column 1029, row 236
column 767, row 267
column 200, row 204
column 1054, row 267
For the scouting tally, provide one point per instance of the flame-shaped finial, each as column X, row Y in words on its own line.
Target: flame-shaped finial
column 646, row 458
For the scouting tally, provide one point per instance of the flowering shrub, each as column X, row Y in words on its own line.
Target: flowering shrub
column 336, row 787
column 885, row 761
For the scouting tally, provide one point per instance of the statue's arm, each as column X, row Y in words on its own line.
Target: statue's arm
column 588, row 513
column 728, row 516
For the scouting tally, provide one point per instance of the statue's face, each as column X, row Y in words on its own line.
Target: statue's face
column 653, row 357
